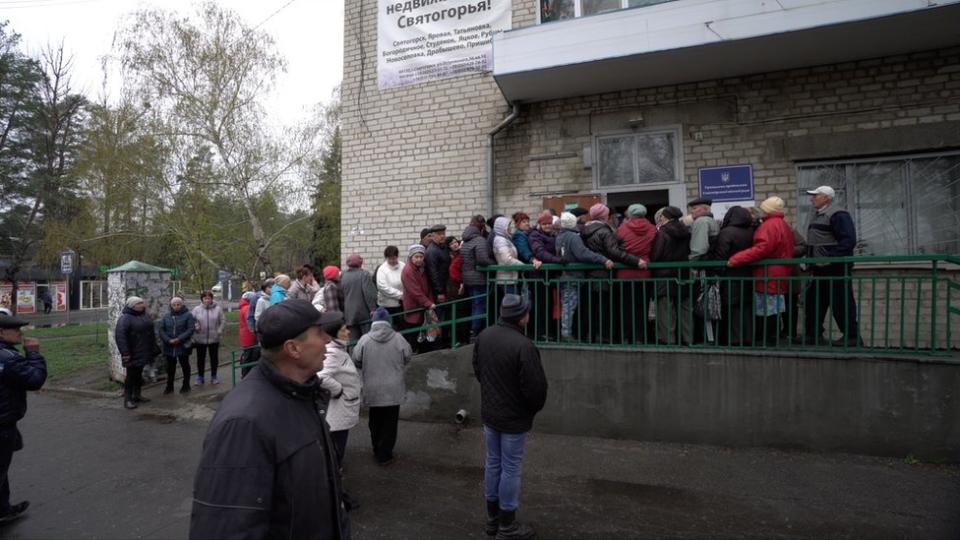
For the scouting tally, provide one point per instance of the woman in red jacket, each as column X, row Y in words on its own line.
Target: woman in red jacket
column 772, row 240
column 417, row 295
column 637, row 234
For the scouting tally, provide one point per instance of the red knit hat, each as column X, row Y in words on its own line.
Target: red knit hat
column 330, row 273
column 599, row 212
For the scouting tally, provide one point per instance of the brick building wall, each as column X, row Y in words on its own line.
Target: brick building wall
column 412, row 156
column 415, row 156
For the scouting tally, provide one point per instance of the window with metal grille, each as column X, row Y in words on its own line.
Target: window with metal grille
column 900, row 205
column 643, row 157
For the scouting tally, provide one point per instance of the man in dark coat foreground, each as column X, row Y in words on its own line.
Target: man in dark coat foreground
column 268, row 468
column 18, row 374
column 513, row 388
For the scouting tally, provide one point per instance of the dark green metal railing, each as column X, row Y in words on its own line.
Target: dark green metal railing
column 902, row 305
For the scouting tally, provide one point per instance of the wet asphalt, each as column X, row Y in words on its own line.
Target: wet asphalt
column 94, row 470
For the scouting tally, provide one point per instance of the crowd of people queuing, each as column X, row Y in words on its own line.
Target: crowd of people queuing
column 318, row 346
column 441, row 277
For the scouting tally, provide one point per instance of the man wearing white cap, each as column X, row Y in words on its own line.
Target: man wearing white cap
column 831, row 233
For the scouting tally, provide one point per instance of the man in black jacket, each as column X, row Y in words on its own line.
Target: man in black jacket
column 268, row 468
column 513, row 388
column 18, row 374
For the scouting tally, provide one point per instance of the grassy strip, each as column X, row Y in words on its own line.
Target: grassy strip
column 68, row 331
column 66, row 354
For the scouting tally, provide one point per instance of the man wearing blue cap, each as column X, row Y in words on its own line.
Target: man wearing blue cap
column 513, row 388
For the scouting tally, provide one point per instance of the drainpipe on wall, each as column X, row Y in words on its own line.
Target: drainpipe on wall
column 490, row 156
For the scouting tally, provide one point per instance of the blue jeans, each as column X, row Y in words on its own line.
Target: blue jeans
column 478, row 304
column 504, row 466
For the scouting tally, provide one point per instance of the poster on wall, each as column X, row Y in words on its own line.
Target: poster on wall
column 60, row 300
column 26, row 296
column 427, row 40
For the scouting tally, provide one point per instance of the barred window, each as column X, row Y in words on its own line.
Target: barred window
column 900, row 205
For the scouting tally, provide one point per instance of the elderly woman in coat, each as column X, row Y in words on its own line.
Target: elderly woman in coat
column 340, row 377
column 382, row 355
column 176, row 330
column 137, row 344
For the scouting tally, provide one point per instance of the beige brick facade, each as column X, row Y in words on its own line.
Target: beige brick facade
column 415, row 156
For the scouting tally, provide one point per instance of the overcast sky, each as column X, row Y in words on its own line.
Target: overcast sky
column 309, row 33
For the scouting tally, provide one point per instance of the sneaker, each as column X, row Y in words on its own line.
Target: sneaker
column 16, row 511
column 129, row 404
column 214, row 380
column 199, row 381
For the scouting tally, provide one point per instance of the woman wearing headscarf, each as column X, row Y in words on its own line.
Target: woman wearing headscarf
column 736, row 235
column 772, row 240
column 176, row 330
column 137, row 343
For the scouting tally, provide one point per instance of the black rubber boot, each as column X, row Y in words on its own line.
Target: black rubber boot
column 511, row 529
column 493, row 517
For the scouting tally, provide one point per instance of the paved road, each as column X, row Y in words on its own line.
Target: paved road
column 93, row 470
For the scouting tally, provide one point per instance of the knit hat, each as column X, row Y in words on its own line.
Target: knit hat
column 577, row 212
column 414, row 249
column 637, row 210
column 545, row 218
column 133, row 300
column 381, row 314
column 568, row 220
column 176, row 300
column 772, row 205
column 514, row 307
column 330, row 272
column 599, row 212
column 354, row 260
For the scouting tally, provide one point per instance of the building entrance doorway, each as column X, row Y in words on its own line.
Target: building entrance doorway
column 653, row 199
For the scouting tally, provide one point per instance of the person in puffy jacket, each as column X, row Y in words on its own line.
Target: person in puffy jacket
column 137, row 343
column 600, row 236
column 176, row 329
column 474, row 253
column 506, row 254
column 210, row 325
column 19, row 374
column 278, row 293
column 382, row 355
column 672, row 244
column 571, row 249
column 637, row 234
column 773, row 239
column 543, row 243
column 736, row 235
